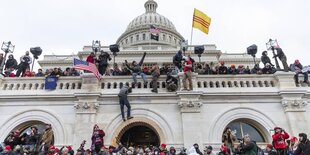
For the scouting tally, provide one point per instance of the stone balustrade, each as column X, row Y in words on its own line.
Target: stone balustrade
column 112, row 84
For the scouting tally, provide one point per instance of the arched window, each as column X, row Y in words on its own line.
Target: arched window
column 137, row 37
column 164, row 37
column 131, row 39
column 242, row 128
column 169, row 38
column 143, row 37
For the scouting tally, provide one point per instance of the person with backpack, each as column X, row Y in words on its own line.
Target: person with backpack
column 177, row 61
column 279, row 138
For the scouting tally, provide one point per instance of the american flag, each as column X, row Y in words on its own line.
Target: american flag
column 83, row 65
column 154, row 29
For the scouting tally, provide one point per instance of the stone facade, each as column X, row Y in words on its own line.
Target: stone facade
column 179, row 118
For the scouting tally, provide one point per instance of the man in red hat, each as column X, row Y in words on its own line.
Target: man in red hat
column 97, row 139
column 279, row 138
column 7, row 150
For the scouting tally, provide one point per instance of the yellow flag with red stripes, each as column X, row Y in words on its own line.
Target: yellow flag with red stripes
column 201, row 21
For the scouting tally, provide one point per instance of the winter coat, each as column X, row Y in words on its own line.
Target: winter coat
column 228, row 139
column 265, row 59
column 103, row 59
column 10, row 63
column 137, row 68
column 303, row 148
column 47, row 137
column 223, row 70
column 125, row 90
column 250, row 149
column 177, row 59
column 90, row 59
column 97, row 138
column 279, row 140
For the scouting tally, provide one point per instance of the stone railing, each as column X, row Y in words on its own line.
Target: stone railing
column 38, row 83
column 112, row 84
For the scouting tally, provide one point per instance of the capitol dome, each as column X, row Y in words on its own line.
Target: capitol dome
column 138, row 30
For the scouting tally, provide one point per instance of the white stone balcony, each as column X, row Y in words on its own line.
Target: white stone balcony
column 110, row 85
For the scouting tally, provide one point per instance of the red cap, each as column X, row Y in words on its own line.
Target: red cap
column 222, row 62
column 275, row 128
column 163, row 145
column 269, row 146
column 293, row 139
column 69, row 147
column 8, row 147
column 297, row 62
column 52, row 147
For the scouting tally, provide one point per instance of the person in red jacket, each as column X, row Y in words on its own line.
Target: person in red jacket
column 91, row 58
column 279, row 138
column 97, row 139
column 187, row 68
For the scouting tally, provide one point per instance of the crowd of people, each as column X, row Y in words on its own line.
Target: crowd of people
column 35, row 143
column 180, row 63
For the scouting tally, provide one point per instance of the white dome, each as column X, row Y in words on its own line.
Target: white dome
column 137, row 32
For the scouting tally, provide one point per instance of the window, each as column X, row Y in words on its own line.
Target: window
column 126, row 41
column 242, row 128
column 169, row 38
column 164, row 37
column 143, row 37
column 137, row 37
column 131, row 39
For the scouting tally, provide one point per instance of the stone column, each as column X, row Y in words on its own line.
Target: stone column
column 190, row 104
column 86, row 108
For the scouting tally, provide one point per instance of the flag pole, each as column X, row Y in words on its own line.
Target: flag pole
column 191, row 43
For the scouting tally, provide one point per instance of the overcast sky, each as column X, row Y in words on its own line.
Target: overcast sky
column 65, row 26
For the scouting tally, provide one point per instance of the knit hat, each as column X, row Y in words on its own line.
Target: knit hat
column 163, row 145
column 209, row 147
column 8, row 147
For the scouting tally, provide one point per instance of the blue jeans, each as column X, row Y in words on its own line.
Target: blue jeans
column 123, row 101
column 305, row 77
column 134, row 76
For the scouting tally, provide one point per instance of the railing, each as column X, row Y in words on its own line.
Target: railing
column 112, row 84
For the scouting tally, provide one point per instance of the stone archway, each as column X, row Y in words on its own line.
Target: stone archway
column 22, row 119
column 138, row 133
column 137, row 121
column 260, row 120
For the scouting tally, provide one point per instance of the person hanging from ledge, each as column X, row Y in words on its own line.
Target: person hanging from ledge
column 136, row 70
column 123, row 101
column 25, row 62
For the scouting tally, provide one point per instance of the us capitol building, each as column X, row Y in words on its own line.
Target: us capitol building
column 249, row 104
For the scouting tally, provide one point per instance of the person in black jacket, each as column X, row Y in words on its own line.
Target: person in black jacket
column 25, row 62
column 177, row 61
column 265, row 59
column 303, row 146
column 11, row 63
column 136, row 70
column 103, row 59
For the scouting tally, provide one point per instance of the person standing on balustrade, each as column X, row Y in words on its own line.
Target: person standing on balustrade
column 187, row 69
column 103, row 59
column 25, row 62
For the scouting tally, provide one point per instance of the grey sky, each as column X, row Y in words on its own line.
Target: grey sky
column 65, row 26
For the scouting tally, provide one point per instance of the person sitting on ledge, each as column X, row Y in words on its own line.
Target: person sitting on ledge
column 297, row 68
column 136, row 70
